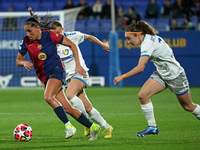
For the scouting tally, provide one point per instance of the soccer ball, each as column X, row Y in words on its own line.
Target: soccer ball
column 23, row 132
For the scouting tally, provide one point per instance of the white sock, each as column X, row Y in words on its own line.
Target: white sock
column 68, row 123
column 95, row 115
column 149, row 114
column 196, row 112
column 77, row 103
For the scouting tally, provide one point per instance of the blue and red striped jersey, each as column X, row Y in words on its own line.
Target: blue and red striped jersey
column 43, row 53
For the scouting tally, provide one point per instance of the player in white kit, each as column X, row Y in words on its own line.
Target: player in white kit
column 169, row 73
column 75, row 82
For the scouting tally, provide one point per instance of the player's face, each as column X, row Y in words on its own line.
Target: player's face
column 33, row 33
column 133, row 39
column 58, row 30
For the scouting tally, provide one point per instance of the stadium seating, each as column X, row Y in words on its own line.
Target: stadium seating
column 6, row 4
column 89, row 25
column 92, row 25
column 20, row 6
column 80, row 25
column 162, row 23
column 128, row 3
column 76, row 2
column 36, row 5
column 90, row 2
column 141, row 12
column 59, row 4
column 152, row 22
column 47, row 5
column 119, row 3
column 194, row 21
column 105, row 25
column 180, row 21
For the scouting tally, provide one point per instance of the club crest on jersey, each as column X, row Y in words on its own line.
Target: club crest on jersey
column 65, row 51
column 39, row 46
column 42, row 56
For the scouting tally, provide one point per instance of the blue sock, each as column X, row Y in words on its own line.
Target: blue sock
column 60, row 112
column 84, row 121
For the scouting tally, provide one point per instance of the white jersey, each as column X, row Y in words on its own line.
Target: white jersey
column 66, row 53
column 161, row 55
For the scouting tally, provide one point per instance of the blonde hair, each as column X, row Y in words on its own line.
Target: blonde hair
column 141, row 26
column 55, row 24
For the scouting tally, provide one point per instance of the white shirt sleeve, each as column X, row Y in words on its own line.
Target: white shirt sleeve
column 147, row 47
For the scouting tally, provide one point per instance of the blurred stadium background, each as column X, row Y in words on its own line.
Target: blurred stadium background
column 184, row 43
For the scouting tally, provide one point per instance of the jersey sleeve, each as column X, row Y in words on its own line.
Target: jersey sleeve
column 23, row 48
column 55, row 37
column 147, row 47
column 80, row 37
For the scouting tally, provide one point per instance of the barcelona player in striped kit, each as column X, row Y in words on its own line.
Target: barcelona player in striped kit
column 41, row 46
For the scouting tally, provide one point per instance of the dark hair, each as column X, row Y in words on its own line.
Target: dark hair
column 143, row 26
column 56, row 24
column 44, row 22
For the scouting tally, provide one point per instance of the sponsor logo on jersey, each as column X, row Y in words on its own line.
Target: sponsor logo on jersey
column 42, row 56
column 65, row 51
column 39, row 46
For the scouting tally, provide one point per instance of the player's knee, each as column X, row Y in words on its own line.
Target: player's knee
column 69, row 95
column 48, row 98
column 141, row 96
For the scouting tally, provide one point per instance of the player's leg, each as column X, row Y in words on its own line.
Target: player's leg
column 52, row 88
column 180, row 87
column 74, row 87
column 187, row 104
column 61, row 97
column 75, row 113
column 95, row 115
column 150, row 88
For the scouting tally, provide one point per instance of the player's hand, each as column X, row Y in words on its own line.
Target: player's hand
column 117, row 79
column 106, row 47
column 28, row 65
column 80, row 70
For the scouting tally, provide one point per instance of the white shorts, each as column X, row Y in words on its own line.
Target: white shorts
column 76, row 76
column 179, row 85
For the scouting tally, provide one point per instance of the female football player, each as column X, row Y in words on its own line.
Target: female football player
column 169, row 73
column 75, row 82
column 41, row 46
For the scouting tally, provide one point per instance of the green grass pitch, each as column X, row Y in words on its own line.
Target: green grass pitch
column 179, row 130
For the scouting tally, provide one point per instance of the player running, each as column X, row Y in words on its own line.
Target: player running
column 169, row 73
column 41, row 46
column 75, row 82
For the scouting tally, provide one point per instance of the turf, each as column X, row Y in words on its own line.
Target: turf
column 119, row 106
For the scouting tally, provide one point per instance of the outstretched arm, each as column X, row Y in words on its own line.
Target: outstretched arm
column 79, row 68
column 93, row 39
column 136, row 70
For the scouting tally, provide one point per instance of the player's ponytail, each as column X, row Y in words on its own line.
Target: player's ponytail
column 44, row 22
column 141, row 26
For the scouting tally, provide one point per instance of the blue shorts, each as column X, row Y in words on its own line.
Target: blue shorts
column 58, row 75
